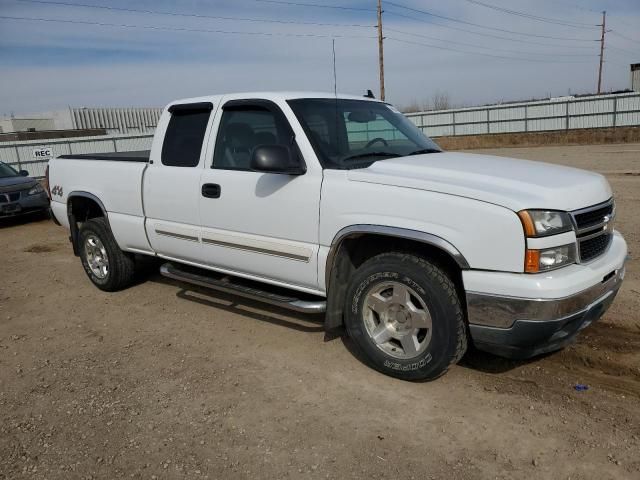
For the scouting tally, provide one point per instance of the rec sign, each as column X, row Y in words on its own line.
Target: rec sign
column 42, row 153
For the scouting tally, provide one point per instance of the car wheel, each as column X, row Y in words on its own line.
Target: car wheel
column 108, row 267
column 405, row 316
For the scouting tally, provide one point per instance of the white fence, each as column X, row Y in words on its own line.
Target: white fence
column 619, row 110
column 24, row 155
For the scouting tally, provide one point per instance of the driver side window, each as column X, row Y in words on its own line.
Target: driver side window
column 241, row 131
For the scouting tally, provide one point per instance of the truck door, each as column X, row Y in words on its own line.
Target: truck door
column 171, row 182
column 254, row 224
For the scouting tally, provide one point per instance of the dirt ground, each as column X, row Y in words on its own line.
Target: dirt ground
column 160, row 381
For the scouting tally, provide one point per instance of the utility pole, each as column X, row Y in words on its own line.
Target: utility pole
column 380, row 50
column 604, row 17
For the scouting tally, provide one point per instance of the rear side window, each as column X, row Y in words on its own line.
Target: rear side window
column 185, row 135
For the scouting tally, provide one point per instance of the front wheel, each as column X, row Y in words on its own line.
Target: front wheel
column 108, row 267
column 405, row 316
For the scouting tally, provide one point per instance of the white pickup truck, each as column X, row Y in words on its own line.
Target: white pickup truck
column 339, row 204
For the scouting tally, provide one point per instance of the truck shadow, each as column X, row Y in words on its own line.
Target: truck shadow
column 474, row 359
column 485, row 362
column 243, row 306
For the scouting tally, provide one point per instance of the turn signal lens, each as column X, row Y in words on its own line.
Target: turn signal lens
column 540, row 223
column 532, row 261
column 527, row 223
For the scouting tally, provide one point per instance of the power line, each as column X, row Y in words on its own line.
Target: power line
column 483, row 54
column 183, row 29
column 554, row 21
column 624, row 36
column 413, row 34
column 317, row 5
column 190, row 15
column 626, row 23
column 574, row 6
column 622, row 49
column 451, row 19
column 489, row 35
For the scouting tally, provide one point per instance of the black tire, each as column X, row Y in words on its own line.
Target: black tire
column 427, row 283
column 121, row 265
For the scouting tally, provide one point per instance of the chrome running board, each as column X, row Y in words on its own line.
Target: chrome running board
column 226, row 285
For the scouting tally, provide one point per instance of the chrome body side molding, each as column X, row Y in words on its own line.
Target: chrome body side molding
column 255, row 249
column 179, row 236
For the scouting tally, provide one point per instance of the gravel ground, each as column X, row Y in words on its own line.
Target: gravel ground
column 161, row 381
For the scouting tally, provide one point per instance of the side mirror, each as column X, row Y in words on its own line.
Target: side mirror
column 276, row 159
column 24, row 173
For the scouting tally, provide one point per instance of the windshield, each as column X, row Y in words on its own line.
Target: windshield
column 355, row 133
column 7, row 171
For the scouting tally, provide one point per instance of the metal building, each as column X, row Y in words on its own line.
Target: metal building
column 635, row 77
column 25, row 124
column 116, row 120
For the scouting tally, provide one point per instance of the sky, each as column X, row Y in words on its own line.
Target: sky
column 57, row 53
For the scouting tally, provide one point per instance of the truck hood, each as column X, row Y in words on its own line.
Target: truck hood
column 509, row 182
column 10, row 183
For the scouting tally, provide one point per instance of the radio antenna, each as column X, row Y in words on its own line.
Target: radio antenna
column 335, row 77
column 335, row 80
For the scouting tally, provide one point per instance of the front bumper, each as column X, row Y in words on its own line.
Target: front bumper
column 522, row 327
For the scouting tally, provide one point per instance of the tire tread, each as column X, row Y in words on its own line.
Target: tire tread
column 121, row 265
column 436, row 273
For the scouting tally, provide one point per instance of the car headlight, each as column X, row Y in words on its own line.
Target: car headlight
column 36, row 189
column 549, row 258
column 541, row 223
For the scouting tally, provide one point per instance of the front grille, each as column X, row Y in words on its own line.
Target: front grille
column 593, row 247
column 593, row 230
column 9, row 197
column 594, row 217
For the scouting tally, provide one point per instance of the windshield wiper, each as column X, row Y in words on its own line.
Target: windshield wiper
column 425, row 150
column 370, row 154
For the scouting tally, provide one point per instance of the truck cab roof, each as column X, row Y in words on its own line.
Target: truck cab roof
column 274, row 96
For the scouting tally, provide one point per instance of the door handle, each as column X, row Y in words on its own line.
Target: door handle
column 211, row 190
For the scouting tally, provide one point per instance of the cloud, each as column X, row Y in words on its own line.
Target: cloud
column 50, row 65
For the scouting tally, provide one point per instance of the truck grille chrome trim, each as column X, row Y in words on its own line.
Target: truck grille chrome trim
column 593, row 230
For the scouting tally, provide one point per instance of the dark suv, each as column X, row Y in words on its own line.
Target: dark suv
column 19, row 193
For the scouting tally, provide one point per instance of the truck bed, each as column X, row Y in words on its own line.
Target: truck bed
column 116, row 181
column 141, row 156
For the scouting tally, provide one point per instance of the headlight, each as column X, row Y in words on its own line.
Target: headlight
column 36, row 189
column 549, row 258
column 540, row 223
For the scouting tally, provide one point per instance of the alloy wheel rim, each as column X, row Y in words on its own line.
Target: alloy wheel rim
column 96, row 256
column 397, row 320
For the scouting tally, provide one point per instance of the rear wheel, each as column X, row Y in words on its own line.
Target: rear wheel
column 108, row 267
column 404, row 314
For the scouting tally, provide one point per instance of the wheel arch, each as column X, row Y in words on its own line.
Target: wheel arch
column 354, row 244
column 82, row 206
